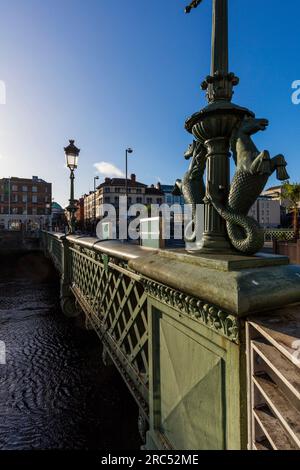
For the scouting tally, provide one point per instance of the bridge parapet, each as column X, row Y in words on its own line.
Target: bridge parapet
column 96, row 279
column 52, row 244
column 174, row 326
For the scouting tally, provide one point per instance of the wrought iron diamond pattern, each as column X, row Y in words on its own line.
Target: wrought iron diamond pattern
column 116, row 303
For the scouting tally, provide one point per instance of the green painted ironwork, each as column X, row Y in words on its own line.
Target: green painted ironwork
column 181, row 356
column 115, row 301
column 116, row 305
column 53, row 247
column 279, row 234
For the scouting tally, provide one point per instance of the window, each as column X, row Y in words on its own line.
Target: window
column 139, row 200
column 116, row 199
column 2, row 197
column 34, row 211
column 34, row 189
column 34, row 199
column 138, row 190
column 24, row 189
column 149, row 200
column 107, row 190
column 129, row 200
column 107, row 199
column 129, row 190
column 159, row 200
column 15, row 210
column 14, row 187
column 24, row 211
column 24, row 198
column 15, row 198
column 117, row 190
column 46, row 199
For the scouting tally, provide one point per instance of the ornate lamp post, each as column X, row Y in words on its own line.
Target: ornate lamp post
column 213, row 126
column 95, row 179
column 72, row 154
column 127, row 151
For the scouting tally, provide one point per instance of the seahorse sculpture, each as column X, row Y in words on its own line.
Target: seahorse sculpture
column 252, row 173
column 192, row 186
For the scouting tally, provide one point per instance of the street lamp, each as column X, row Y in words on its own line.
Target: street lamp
column 72, row 154
column 128, row 150
column 95, row 179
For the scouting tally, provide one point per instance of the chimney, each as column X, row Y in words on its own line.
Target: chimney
column 107, row 180
column 133, row 177
column 158, row 186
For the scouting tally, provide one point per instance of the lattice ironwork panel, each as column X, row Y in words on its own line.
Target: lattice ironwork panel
column 279, row 235
column 53, row 247
column 56, row 252
column 116, row 304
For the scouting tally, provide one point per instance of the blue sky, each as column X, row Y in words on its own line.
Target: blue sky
column 113, row 73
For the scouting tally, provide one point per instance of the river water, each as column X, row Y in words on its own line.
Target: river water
column 55, row 393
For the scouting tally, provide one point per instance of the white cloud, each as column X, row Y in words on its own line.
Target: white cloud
column 108, row 169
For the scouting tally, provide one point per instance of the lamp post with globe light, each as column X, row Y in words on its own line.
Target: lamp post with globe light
column 72, row 155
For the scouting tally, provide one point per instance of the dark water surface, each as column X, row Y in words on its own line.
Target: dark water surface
column 55, row 392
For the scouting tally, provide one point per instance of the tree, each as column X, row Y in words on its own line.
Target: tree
column 291, row 192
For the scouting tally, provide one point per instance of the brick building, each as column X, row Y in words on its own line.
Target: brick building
column 25, row 203
column 79, row 214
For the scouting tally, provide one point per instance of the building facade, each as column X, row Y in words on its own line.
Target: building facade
column 169, row 197
column 89, row 204
column 276, row 193
column 110, row 191
column 267, row 212
column 79, row 214
column 25, row 204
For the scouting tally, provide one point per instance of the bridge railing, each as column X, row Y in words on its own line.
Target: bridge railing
column 182, row 351
column 113, row 300
column 279, row 234
column 115, row 303
column 52, row 244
